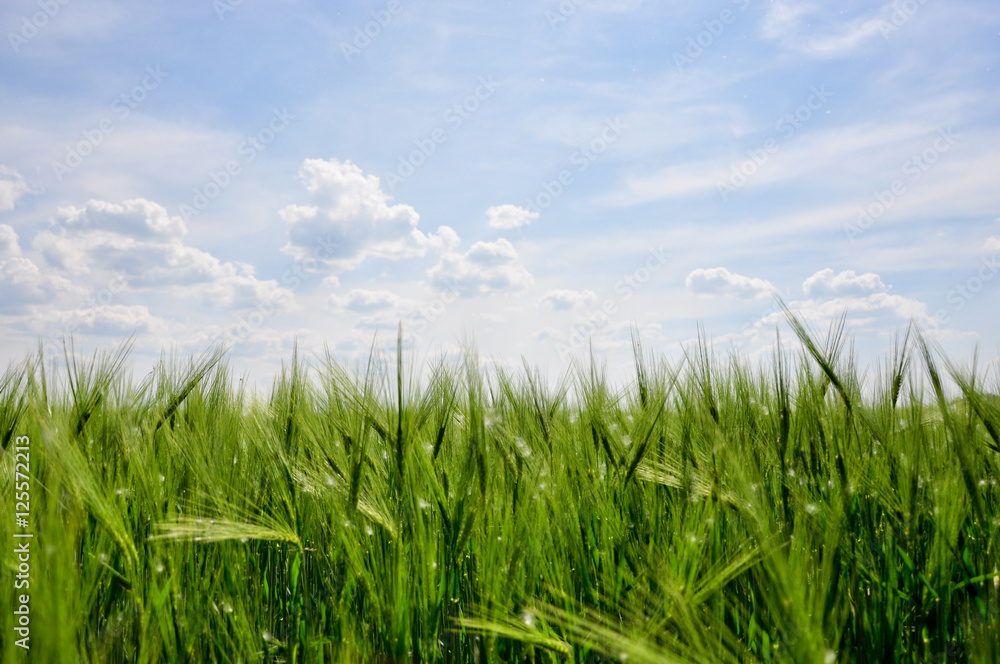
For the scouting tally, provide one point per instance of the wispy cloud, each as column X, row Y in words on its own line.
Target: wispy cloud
column 818, row 31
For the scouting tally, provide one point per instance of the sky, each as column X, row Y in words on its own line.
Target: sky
column 539, row 179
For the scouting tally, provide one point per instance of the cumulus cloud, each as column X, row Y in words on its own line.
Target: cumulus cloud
column 510, row 216
column 826, row 284
column 12, row 187
column 137, row 218
column 21, row 280
column 141, row 241
column 720, row 281
column 486, row 267
column 864, row 297
column 115, row 320
column 365, row 301
column 9, row 245
column 563, row 300
column 993, row 244
column 878, row 311
column 349, row 219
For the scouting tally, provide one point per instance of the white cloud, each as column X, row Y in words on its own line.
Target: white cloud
column 783, row 17
column 671, row 182
column 844, row 42
column 904, row 308
column 720, row 281
column 562, row 300
column 12, row 187
column 361, row 300
column 9, row 245
column 137, row 218
column 864, row 146
column 864, row 296
column 826, row 283
column 877, row 313
column 21, row 280
column 784, row 21
column 993, row 244
column 485, row 268
column 349, row 219
column 141, row 241
column 510, row 216
column 115, row 320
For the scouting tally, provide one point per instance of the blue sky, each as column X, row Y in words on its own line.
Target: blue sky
column 538, row 176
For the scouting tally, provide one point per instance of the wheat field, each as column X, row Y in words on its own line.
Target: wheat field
column 801, row 509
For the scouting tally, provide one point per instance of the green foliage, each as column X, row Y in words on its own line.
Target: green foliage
column 794, row 511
